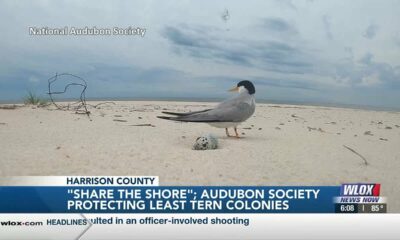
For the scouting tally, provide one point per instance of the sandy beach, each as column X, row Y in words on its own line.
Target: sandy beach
column 280, row 145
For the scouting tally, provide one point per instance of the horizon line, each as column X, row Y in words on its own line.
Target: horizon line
column 211, row 99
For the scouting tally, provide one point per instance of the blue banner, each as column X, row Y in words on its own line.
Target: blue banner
column 169, row 199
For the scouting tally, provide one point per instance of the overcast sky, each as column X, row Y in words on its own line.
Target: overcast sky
column 308, row 51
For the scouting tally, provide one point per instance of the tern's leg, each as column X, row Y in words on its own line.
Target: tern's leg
column 237, row 134
column 227, row 133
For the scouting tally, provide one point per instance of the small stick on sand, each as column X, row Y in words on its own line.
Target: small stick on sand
column 363, row 158
column 295, row 116
column 119, row 120
column 142, row 125
column 96, row 106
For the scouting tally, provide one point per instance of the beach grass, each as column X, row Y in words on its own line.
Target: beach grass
column 32, row 99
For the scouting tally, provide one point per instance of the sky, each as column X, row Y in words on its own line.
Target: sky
column 335, row 52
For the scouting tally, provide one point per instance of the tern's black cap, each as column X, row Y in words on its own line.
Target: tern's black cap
column 248, row 85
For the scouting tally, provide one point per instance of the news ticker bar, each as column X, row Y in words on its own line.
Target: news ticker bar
column 257, row 226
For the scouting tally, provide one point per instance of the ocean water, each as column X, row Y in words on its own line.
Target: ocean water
column 216, row 100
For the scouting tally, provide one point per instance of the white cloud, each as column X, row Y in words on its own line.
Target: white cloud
column 33, row 79
column 370, row 80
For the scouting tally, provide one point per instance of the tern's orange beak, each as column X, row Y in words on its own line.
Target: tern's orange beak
column 235, row 89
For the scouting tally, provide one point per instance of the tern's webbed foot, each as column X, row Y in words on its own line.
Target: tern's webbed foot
column 230, row 136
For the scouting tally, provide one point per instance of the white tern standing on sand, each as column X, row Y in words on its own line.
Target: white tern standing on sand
column 229, row 113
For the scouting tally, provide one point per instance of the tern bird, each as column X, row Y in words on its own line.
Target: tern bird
column 227, row 114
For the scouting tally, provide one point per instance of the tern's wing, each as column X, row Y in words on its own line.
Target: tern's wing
column 237, row 112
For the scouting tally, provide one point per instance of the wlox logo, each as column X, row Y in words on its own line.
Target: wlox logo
column 360, row 189
column 20, row 223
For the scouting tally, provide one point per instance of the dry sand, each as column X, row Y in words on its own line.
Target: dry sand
column 281, row 145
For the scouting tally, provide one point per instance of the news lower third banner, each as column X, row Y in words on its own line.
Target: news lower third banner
column 143, row 195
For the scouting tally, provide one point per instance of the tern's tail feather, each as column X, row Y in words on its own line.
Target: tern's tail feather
column 179, row 119
column 167, row 118
column 185, row 114
column 176, row 114
column 188, row 119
